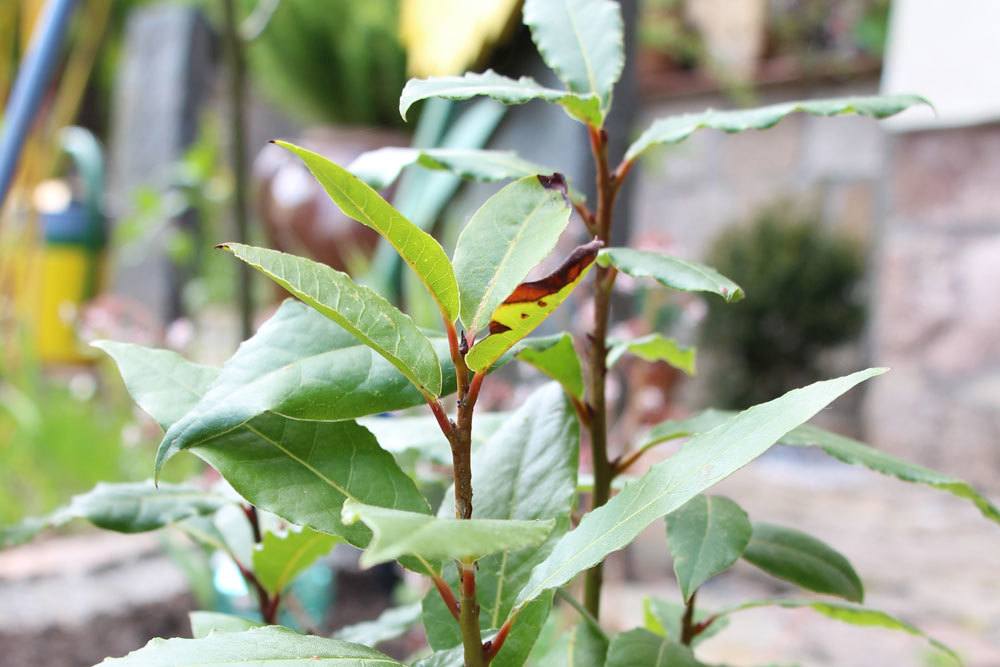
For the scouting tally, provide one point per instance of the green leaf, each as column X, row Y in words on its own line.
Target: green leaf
column 504, row 240
column 279, row 558
column 706, row 536
column 398, row 533
column 204, row 623
column 131, row 507
column 582, row 40
column 526, row 471
column 840, row 447
column 704, row 461
column 380, row 168
column 300, row 365
column 303, row 471
column 359, row 310
column 528, row 306
column 391, row 623
column 585, row 108
column 665, row 618
column 162, row 382
column 674, row 129
column 654, row 347
column 802, row 559
column 670, row 271
column 854, row 615
column 417, row 248
column 556, row 357
column 642, row 647
column 267, row 645
column 582, row 646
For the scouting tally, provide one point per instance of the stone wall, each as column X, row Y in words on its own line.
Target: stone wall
column 937, row 303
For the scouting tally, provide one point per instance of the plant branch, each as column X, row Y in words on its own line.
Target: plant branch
column 475, row 655
column 268, row 605
column 444, row 590
column 687, row 622
column 493, row 646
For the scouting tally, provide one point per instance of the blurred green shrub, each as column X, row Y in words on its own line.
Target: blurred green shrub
column 802, row 283
column 332, row 61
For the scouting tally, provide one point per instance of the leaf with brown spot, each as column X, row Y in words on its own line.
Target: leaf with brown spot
column 529, row 304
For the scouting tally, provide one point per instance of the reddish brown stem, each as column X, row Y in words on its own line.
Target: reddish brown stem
column 444, row 590
column 492, row 647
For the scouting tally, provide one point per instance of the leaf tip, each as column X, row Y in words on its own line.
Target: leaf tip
column 554, row 182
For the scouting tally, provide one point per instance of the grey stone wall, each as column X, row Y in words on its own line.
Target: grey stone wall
column 937, row 303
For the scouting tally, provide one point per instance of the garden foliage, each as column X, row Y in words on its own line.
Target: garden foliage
column 294, row 420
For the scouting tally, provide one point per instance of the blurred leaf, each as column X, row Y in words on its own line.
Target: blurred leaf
column 557, row 358
column 642, row 647
column 380, row 168
column 705, row 536
column 280, row 558
column 666, row 618
column 391, row 623
column 204, row 623
column 654, row 347
column 670, row 271
column 581, row 646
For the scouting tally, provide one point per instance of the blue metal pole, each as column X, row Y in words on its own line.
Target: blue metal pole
column 32, row 79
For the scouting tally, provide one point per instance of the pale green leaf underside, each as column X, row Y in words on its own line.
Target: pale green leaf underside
column 360, row 310
column 582, row 41
column 794, row 556
column 503, row 241
column 299, row 364
column 163, row 383
column 654, row 347
column 586, row 108
column 304, row 471
column 421, row 434
column 674, row 129
column 397, row 533
column 417, row 248
column 704, row 461
column 839, row 447
column 556, row 357
column 381, row 167
column 204, row 623
column 642, row 647
column 391, row 623
column 128, row 507
column 271, row 645
column 678, row 274
column 279, row 558
column 705, row 536
column 851, row 614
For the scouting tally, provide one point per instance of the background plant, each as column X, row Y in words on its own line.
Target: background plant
column 293, row 420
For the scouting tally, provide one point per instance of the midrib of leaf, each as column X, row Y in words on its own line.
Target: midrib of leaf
column 583, row 52
column 331, row 483
column 491, row 285
column 659, row 654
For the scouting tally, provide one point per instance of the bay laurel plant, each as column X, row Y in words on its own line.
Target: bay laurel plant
column 294, row 422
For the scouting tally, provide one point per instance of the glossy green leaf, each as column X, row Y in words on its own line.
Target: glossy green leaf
column 840, row 447
column 504, row 240
column 556, row 357
column 853, row 615
column 670, row 271
column 582, row 40
column 280, row 557
column 299, row 364
column 381, row 167
column 529, row 305
column 304, row 471
column 674, row 129
column 654, row 347
column 129, row 507
column 794, row 556
column 642, row 647
column 585, row 108
column 391, row 623
column 398, row 533
column 665, row 618
column 359, row 310
column 270, row 645
column 706, row 536
column 704, row 461
column 526, row 471
column 162, row 382
column 204, row 623
column 417, row 248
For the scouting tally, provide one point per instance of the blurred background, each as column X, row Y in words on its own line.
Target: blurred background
column 135, row 138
